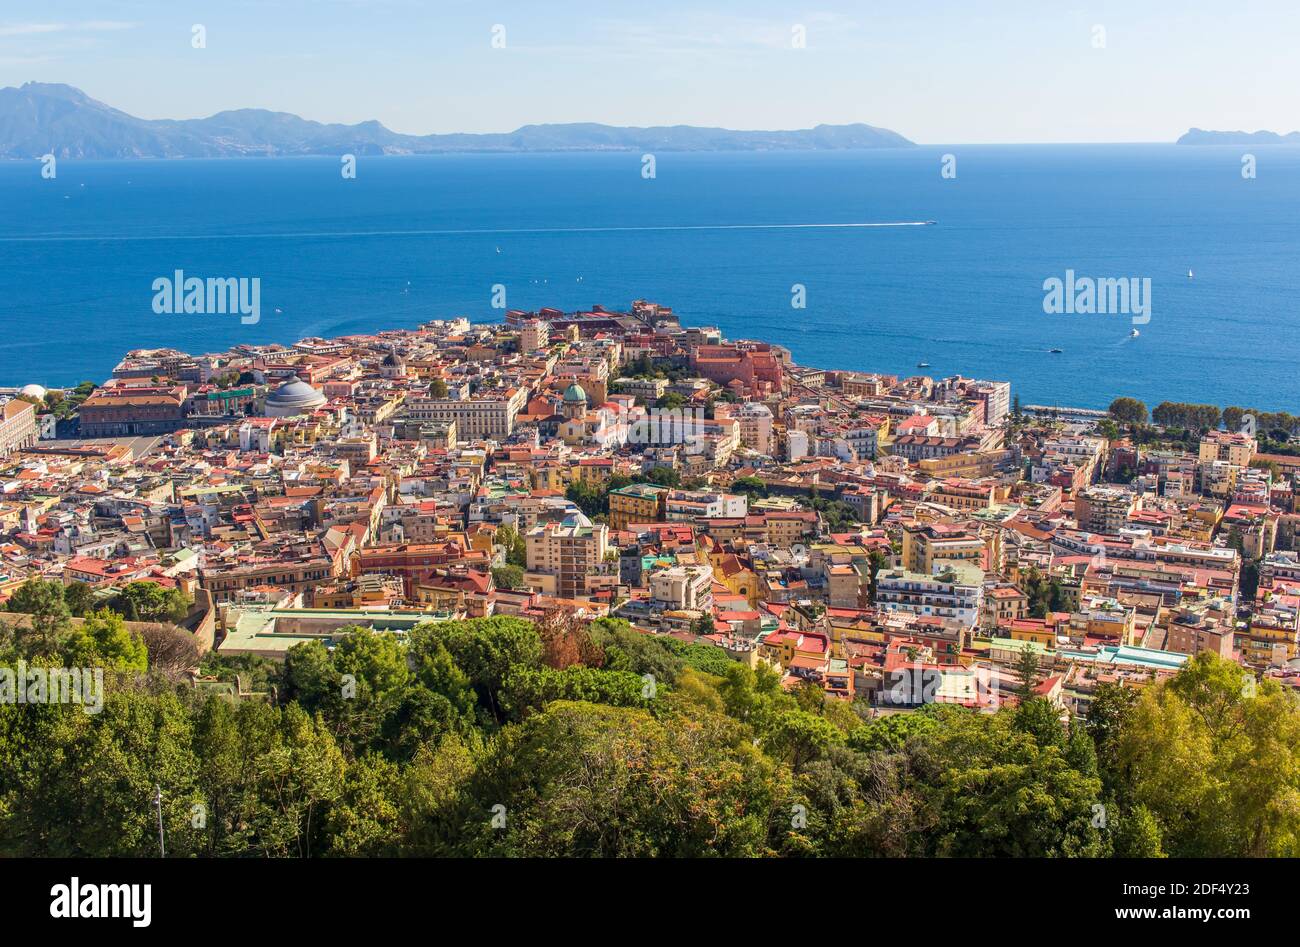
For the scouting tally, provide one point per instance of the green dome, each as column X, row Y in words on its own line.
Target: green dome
column 575, row 393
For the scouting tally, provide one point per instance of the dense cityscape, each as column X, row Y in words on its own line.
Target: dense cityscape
column 601, row 583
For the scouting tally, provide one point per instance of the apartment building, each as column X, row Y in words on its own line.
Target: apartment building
column 1100, row 509
column 17, row 426
column 924, row 544
column 567, row 552
column 682, row 588
column 636, row 503
column 955, row 594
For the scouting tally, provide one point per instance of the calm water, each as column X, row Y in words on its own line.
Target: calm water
column 78, row 255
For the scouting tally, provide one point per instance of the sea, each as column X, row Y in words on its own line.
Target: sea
column 827, row 253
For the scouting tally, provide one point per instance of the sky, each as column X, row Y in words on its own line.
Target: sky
column 937, row 71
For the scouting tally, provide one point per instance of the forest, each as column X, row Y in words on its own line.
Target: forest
column 506, row 737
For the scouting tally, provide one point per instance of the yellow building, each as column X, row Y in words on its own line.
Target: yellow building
column 926, row 543
column 731, row 571
column 1228, row 446
column 636, row 503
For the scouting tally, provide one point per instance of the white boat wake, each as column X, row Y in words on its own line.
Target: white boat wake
column 327, row 234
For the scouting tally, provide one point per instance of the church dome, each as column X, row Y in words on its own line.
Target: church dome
column 295, row 396
column 33, row 391
column 575, row 394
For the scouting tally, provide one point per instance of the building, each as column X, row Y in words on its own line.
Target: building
column 1099, row 509
column 1100, row 617
column 534, row 335
column 691, row 505
column 566, row 552
column 1228, row 446
column 636, row 503
column 117, row 412
column 292, row 398
column 955, row 594
column 1191, row 632
column 755, row 427
column 966, row 495
column 996, row 396
column 414, row 562
column 487, row 414
column 17, row 426
column 682, row 588
column 924, row 544
column 299, row 570
column 754, row 366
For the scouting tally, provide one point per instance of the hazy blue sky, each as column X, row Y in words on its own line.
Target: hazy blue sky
column 941, row 71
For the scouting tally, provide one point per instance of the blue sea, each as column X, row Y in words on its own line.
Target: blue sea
column 722, row 238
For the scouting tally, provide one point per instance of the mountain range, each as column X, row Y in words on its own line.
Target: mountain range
column 45, row 118
column 1199, row 136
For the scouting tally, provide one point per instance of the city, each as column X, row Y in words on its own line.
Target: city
column 863, row 553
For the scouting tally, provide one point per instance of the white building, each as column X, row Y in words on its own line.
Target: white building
column 697, row 504
column 682, row 587
column 955, row 593
column 755, row 427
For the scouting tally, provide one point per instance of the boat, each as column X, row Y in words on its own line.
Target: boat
column 1134, row 334
column 922, row 364
column 1190, row 274
column 1054, row 351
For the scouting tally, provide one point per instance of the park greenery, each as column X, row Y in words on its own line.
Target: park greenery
column 504, row 737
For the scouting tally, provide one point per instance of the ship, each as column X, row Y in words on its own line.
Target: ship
column 1054, row 351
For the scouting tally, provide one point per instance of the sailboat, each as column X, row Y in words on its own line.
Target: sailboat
column 1190, row 274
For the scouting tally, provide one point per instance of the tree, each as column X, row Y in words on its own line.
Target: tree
column 1215, row 757
column 566, row 641
column 1109, row 713
column 438, row 388
column 79, row 598
column 583, row 779
column 103, row 640
column 362, row 821
column 47, row 624
column 1027, row 671
column 516, row 546
column 590, row 498
column 1128, row 411
column 996, row 791
column 508, row 577
column 149, row 601
column 485, row 649
column 172, row 651
column 1233, row 417
column 664, row 477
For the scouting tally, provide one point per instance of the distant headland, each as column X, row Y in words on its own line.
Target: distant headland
column 1199, row 136
column 43, row 118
